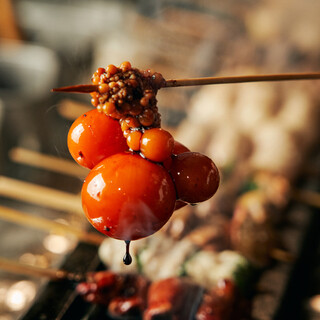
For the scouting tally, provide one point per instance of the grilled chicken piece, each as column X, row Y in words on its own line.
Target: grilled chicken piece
column 156, row 257
column 181, row 222
column 122, row 294
column 276, row 187
column 218, row 303
column 214, row 234
column 100, row 287
column 207, row 268
column 252, row 229
column 173, row 299
column 132, row 296
column 300, row 115
column 164, row 257
column 223, row 302
column 229, row 146
column 276, row 150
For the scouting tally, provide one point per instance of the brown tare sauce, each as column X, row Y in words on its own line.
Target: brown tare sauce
column 127, row 259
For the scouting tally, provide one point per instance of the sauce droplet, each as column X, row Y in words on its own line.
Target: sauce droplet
column 127, row 259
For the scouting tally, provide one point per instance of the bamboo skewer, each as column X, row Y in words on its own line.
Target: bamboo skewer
column 9, row 25
column 242, row 79
column 87, row 88
column 282, row 255
column 34, row 271
column 309, row 197
column 71, row 110
column 79, row 88
column 43, row 196
column 39, row 160
column 33, row 221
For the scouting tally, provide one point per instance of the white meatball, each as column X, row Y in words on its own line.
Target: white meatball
column 255, row 103
column 211, row 105
column 275, row 150
column 228, row 145
column 192, row 135
column 299, row 115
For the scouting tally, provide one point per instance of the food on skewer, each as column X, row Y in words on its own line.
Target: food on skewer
column 208, row 267
column 276, row 188
column 201, row 255
column 134, row 187
column 301, row 108
column 223, row 302
column 181, row 223
column 205, row 256
column 252, row 227
column 128, row 295
column 272, row 137
column 172, row 298
column 122, row 294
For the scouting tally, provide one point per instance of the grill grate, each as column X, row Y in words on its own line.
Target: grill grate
column 58, row 300
column 278, row 287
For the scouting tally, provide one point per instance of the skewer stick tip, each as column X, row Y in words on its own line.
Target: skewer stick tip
column 81, row 88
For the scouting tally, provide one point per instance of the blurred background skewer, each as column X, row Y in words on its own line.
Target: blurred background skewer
column 43, row 196
column 33, row 221
column 48, row 162
column 242, row 79
column 34, row 271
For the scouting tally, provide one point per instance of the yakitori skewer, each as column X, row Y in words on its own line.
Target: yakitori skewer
column 242, row 79
column 309, row 197
column 33, row 221
column 34, row 271
column 71, row 109
column 44, row 196
column 87, row 88
column 48, row 162
column 282, row 255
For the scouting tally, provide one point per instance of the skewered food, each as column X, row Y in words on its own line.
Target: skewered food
column 202, row 260
column 252, row 227
column 220, row 303
column 172, row 298
column 272, row 137
column 275, row 187
column 127, row 295
column 134, row 187
column 122, row 294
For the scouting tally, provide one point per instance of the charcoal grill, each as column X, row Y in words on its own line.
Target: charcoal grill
column 280, row 289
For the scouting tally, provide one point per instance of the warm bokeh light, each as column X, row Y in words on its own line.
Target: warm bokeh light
column 57, row 244
column 20, row 294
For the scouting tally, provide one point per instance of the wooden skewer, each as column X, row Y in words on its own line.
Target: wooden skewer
column 282, row 255
column 79, row 88
column 9, row 25
column 242, row 79
column 43, row 196
column 33, row 221
column 309, row 197
column 34, row 271
column 39, row 160
column 71, row 109
column 87, row 88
